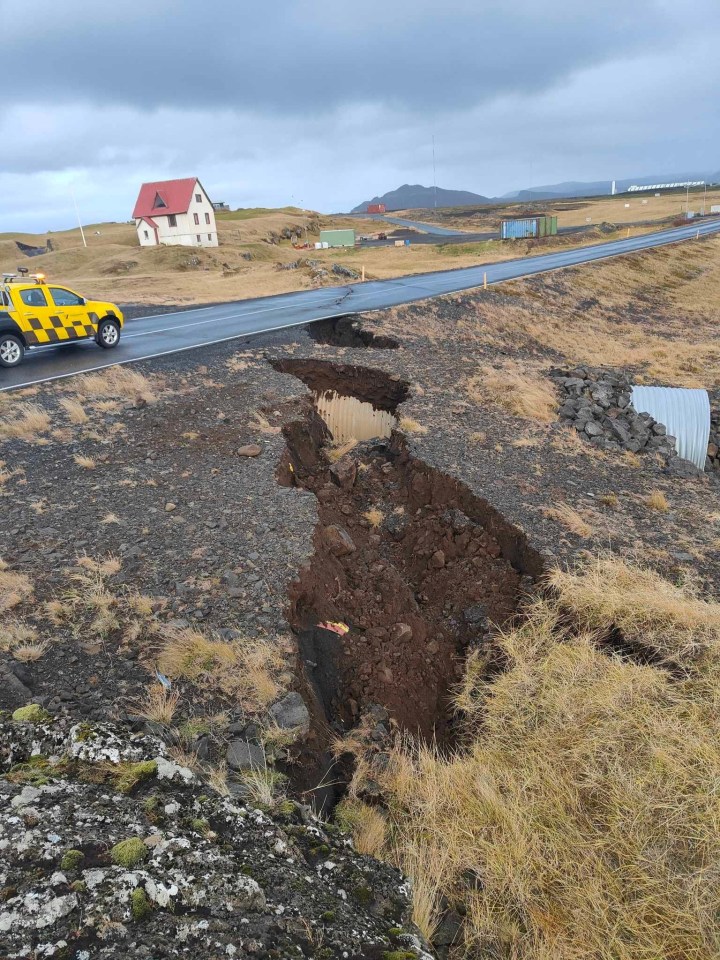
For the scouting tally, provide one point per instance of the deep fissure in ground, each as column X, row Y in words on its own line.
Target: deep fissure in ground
column 419, row 568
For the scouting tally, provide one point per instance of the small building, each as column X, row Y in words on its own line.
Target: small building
column 219, row 205
column 376, row 208
column 175, row 212
column 338, row 238
column 528, row 227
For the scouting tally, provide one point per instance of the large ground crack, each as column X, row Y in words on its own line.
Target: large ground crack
column 417, row 567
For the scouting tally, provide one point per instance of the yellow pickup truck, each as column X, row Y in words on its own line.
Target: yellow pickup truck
column 35, row 313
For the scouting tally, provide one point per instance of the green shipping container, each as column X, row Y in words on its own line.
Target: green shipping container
column 547, row 226
column 338, row 238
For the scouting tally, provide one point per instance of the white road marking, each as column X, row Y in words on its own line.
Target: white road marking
column 662, row 238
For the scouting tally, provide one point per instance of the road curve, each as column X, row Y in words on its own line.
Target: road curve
column 431, row 228
column 147, row 337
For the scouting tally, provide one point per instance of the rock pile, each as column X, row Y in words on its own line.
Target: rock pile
column 110, row 849
column 713, row 455
column 597, row 403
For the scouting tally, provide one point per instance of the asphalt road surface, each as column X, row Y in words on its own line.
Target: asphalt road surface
column 420, row 225
column 147, row 337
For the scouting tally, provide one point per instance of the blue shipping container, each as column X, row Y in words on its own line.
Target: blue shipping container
column 519, row 229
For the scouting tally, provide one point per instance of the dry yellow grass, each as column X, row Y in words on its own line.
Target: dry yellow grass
column 621, row 209
column 118, row 384
column 74, row 409
column 570, row 518
column 374, row 517
column 247, row 671
column 29, row 652
column 14, row 634
column 676, row 622
column 82, row 461
column 368, row 826
column 27, row 422
column 581, row 817
column 515, row 389
column 15, row 588
column 658, row 501
column 408, row 425
column 158, row 705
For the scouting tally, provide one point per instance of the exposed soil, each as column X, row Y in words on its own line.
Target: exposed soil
column 385, row 391
column 347, row 332
column 414, row 564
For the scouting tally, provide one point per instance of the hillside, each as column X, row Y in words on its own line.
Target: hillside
column 415, row 196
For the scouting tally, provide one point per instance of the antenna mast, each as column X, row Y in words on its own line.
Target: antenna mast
column 434, row 173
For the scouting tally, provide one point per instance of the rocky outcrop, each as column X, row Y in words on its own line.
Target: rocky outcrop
column 111, row 848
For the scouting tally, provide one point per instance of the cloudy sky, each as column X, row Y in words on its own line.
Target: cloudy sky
column 323, row 103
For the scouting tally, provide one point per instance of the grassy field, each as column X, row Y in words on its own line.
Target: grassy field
column 576, row 817
column 114, row 267
column 621, row 209
column 581, row 818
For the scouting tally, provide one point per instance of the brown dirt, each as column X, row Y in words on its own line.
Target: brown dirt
column 417, row 584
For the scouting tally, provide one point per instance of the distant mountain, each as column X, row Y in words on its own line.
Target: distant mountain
column 417, row 197
column 594, row 188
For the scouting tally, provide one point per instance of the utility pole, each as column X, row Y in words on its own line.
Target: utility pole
column 77, row 214
column 434, row 174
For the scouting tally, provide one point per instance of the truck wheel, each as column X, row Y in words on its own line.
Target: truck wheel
column 12, row 350
column 108, row 334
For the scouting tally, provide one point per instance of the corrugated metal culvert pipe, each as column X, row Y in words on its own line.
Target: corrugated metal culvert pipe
column 685, row 413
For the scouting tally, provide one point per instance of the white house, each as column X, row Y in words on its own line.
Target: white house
column 175, row 212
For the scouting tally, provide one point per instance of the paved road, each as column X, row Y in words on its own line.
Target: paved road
column 146, row 337
column 420, row 225
column 432, row 231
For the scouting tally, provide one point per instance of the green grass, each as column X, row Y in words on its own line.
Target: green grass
column 467, row 249
column 249, row 213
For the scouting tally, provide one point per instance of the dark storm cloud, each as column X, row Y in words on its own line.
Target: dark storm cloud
column 323, row 103
column 306, row 56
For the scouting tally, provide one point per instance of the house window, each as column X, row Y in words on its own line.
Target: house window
column 197, row 218
column 199, row 238
column 159, row 202
column 207, row 218
column 172, row 220
column 147, row 235
column 209, row 236
column 198, row 197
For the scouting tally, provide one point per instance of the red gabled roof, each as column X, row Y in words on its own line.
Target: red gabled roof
column 175, row 194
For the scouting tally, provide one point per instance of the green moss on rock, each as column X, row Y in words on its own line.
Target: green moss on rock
column 34, row 771
column 129, row 775
column 140, row 906
column 363, row 895
column 32, row 713
column 128, row 853
column 84, row 732
column 71, row 859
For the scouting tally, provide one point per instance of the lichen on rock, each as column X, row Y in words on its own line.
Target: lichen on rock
column 200, row 874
